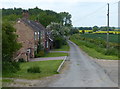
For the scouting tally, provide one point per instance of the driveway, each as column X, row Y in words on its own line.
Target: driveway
column 83, row 72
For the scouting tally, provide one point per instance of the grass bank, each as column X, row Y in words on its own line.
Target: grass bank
column 94, row 50
column 47, row 68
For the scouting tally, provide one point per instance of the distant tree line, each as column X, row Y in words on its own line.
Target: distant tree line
column 96, row 28
column 45, row 17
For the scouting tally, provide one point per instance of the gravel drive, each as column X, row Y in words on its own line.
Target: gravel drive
column 83, row 72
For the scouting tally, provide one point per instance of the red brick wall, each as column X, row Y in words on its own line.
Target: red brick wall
column 25, row 36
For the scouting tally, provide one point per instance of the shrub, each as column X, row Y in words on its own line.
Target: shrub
column 21, row 60
column 58, row 41
column 40, row 54
column 10, row 67
column 34, row 70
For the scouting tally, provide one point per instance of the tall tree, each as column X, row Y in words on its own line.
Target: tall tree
column 9, row 42
column 66, row 18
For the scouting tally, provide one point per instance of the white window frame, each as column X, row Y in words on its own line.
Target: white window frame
column 38, row 35
column 35, row 35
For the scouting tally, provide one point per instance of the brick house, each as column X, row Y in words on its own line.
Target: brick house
column 30, row 35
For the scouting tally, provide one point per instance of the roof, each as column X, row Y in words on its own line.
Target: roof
column 36, row 26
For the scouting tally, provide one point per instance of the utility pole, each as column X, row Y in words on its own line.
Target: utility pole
column 108, row 29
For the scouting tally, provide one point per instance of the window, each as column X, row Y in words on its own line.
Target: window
column 47, row 44
column 35, row 35
column 41, row 34
column 38, row 35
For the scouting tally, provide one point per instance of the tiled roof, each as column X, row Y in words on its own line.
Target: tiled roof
column 34, row 25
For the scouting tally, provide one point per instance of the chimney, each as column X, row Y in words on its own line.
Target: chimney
column 25, row 14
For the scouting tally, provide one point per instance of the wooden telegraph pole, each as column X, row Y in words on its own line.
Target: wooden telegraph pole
column 108, row 29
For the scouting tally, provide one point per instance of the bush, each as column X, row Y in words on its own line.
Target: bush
column 21, row 60
column 10, row 67
column 33, row 70
column 59, row 41
column 40, row 54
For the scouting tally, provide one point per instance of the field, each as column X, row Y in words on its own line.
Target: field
column 112, row 37
column 95, row 45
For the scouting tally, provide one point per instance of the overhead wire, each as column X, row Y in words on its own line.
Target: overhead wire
column 12, row 5
column 92, row 13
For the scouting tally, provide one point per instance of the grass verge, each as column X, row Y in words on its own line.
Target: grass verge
column 56, row 54
column 7, row 80
column 93, row 53
column 47, row 68
column 93, row 50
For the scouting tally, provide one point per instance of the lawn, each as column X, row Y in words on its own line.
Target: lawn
column 56, row 54
column 63, row 48
column 47, row 68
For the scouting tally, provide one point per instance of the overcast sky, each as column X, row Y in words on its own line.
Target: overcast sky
column 84, row 12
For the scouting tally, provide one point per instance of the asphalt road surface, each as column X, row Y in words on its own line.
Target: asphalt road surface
column 83, row 72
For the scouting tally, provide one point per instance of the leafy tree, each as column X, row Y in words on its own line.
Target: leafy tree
column 73, row 31
column 58, row 29
column 9, row 42
column 66, row 18
column 45, row 17
column 95, row 28
column 85, row 28
column 58, row 32
column 103, row 28
column 9, row 47
column 11, row 17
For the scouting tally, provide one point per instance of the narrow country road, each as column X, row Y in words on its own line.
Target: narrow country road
column 83, row 72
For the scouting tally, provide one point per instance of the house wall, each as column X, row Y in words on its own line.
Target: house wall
column 26, row 38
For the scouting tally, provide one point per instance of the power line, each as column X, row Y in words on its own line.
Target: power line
column 11, row 3
column 94, row 12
